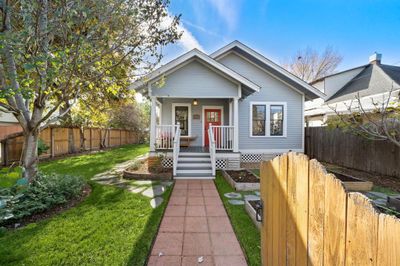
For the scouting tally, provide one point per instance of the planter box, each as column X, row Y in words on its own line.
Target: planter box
column 352, row 183
column 241, row 186
column 394, row 202
column 252, row 213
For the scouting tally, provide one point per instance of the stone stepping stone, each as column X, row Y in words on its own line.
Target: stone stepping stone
column 374, row 194
column 251, row 197
column 167, row 183
column 154, row 203
column 144, row 182
column 233, row 195
column 104, row 176
column 135, row 190
column 236, row 202
column 257, row 193
column 151, row 192
column 111, row 181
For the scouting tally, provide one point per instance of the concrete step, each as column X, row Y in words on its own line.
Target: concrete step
column 194, row 171
column 193, row 176
column 194, row 159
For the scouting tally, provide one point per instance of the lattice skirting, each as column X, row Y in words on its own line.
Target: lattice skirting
column 220, row 164
column 255, row 157
column 168, row 162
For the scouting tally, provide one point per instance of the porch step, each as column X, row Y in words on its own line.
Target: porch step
column 194, row 154
column 193, row 176
column 189, row 164
column 194, row 171
column 194, row 159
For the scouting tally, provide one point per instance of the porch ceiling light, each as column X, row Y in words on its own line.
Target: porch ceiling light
column 195, row 102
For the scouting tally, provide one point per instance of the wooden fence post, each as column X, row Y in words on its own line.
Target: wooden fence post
column 52, row 142
column 90, row 137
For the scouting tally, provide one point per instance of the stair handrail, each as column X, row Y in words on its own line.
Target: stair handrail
column 177, row 145
column 211, row 141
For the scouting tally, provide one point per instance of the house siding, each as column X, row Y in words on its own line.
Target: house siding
column 272, row 90
column 196, row 127
column 195, row 80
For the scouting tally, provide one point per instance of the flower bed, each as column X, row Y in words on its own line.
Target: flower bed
column 141, row 171
column 250, row 207
column 242, row 180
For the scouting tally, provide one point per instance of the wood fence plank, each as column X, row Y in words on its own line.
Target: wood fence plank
column 362, row 231
column 316, row 210
column 291, row 227
column 334, row 221
column 281, row 209
column 388, row 241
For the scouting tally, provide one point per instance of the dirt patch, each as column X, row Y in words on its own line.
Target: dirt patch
column 254, row 203
column 243, row 176
column 52, row 211
column 378, row 180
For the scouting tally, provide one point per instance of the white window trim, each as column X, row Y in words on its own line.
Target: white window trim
column 189, row 105
column 203, row 119
column 267, row 120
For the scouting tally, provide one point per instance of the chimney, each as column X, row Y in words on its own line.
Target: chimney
column 375, row 58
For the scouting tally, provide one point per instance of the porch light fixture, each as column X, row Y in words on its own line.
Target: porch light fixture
column 195, row 102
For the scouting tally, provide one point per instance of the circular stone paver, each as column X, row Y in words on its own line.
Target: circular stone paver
column 154, row 203
column 233, row 195
column 144, row 182
column 257, row 193
column 154, row 191
column 135, row 190
column 236, row 202
column 167, row 183
column 251, row 197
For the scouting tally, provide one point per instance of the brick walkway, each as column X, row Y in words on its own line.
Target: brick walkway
column 196, row 224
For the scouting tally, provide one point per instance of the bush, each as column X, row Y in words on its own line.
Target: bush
column 42, row 147
column 45, row 192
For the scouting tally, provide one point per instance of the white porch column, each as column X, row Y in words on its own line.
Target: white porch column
column 235, row 125
column 153, row 124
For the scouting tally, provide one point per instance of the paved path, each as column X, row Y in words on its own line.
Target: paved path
column 196, row 227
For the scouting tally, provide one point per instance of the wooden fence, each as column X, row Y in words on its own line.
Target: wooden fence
column 348, row 150
column 309, row 219
column 61, row 141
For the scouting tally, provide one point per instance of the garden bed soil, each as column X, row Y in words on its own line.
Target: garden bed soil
column 242, row 180
column 143, row 173
column 378, row 180
column 250, row 207
column 37, row 217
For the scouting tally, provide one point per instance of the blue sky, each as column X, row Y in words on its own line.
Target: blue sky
column 279, row 28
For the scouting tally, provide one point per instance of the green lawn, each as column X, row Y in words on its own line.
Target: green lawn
column 111, row 227
column 246, row 231
column 8, row 176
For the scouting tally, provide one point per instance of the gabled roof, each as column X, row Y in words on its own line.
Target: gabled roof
column 248, row 88
column 374, row 79
column 271, row 67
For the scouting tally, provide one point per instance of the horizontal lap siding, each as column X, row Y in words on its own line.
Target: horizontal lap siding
column 195, row 79
column 196, row 110
column 272, row 90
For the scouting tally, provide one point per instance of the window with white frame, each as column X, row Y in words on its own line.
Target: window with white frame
column 267, row 119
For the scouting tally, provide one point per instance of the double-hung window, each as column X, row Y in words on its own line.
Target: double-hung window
column 267, row 119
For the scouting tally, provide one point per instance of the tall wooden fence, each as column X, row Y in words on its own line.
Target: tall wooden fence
column 61, row 141
column 309, row 219
column 348, row 150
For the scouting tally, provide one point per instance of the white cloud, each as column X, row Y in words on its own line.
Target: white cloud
column 187, row 40
column 228, row 10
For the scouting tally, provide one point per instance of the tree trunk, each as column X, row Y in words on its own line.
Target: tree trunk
column 29, row 156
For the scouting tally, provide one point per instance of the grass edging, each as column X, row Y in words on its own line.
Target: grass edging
column 245, row 230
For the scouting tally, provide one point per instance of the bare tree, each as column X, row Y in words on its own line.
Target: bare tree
column 381, row 122
column 309, row 65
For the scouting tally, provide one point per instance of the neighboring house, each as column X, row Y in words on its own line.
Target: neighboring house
column 8, row 125
column 371, row 83
column 249, row 107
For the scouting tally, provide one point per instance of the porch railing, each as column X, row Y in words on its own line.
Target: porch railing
column 165, row 136
column 177, row 145
column 212, row 148
column 223, row 136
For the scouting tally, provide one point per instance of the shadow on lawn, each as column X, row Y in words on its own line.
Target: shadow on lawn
column 148, row 235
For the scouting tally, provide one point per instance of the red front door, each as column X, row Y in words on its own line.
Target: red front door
column 213, row 117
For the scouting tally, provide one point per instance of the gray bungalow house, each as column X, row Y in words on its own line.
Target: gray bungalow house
column 217, row 111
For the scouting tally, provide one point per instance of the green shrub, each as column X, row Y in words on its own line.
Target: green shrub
column 45, row 192
column 42, row 147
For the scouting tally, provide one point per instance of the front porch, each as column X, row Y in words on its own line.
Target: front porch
column 189, row 129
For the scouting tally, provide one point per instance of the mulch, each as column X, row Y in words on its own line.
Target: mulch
column 52, row 211
column 378, row 180
column 243, row 176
